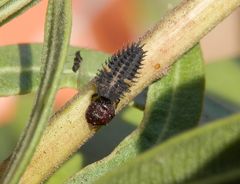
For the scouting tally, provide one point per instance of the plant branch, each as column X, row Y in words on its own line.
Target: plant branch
column 180, row 30
column 57, row 34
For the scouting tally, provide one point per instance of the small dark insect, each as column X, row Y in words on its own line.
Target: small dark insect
column 117, row 75
column 77, row 61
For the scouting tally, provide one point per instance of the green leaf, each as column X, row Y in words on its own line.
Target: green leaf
column 2, row 2
column 221, row 100
column 57, row 34
column 10, row 133
column 132, row 116
column 173, row 105
column 20, row 68
column 12, row 8
column 205, row 155
column 66, row 170
column 223, row 80
column 150, row 13
column 7, row 143
column 215, row 108
column 92, row 62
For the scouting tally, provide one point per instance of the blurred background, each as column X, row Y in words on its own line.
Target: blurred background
column 107, row 25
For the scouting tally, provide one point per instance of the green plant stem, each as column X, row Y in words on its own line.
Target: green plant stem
column 3, row 2
column 57, row 34
column 12, row 8
column 180, row 30
column 70, row 127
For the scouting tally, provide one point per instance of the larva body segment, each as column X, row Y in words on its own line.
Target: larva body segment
column 119, row 72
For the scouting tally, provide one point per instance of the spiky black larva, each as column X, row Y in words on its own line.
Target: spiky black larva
column 113, row 81
column 119, row 71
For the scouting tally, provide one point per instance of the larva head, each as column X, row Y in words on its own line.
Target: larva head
column 100, row 111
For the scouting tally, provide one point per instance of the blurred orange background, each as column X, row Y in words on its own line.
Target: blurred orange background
column 105, row 25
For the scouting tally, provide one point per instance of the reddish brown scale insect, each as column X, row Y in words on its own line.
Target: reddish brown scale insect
column 118, row 74
column 100, row 111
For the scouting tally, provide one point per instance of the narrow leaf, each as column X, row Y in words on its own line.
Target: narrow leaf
column 20, row 68
column 66, row 170
column 221, row 100
column 225, row 72
column 57, row 34
column 216, row 108
column 3, row 2
column 206, row 155
column 12, row 8
column 173, row 105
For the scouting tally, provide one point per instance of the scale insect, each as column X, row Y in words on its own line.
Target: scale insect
column 100, row 111
column 118, row 74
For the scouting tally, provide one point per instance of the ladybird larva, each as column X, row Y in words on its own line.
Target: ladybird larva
column 118, row 74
